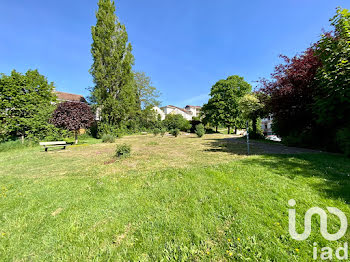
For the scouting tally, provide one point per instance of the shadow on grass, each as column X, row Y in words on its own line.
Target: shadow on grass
column 333, row 169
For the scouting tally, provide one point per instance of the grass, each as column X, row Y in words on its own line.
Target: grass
column 180, row 199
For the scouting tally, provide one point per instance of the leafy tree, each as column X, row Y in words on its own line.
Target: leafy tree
column 290, row 96
column 26, row 103
column 223, row 106
column 175, row 121
column 114, row 91
column 332, row 104
column 210, row 114
column 73, row 116
column 251, row 108
column 147, row 94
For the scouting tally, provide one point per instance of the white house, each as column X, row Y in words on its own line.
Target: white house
column 266, row 125
column 188, row 112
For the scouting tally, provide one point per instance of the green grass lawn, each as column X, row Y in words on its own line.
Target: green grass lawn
column 175, row 199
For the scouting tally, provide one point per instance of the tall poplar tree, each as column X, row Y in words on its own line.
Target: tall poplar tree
column 114, row 92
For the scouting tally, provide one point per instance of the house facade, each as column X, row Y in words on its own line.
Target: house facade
column 188, row 112
column 266, row 126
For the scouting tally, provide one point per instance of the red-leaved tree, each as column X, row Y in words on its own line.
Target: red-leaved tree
column 72, row 116
column 291, row 94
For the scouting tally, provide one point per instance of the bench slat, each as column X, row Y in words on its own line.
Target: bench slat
column 53, row 143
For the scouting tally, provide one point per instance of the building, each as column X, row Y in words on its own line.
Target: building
column 188, row 112
column 67, row 97
column 266, row 126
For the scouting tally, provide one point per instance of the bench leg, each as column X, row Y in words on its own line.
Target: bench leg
column 46, row 149
column 64, row 147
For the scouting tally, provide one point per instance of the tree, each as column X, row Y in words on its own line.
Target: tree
column 251, row 109
column 146, row 93
column 223, row 106
column 290, row 96
column 175, row 121
column 73, row 116
column 114, row 91
column 332, row 103
column 332, row 100
column 26, row 103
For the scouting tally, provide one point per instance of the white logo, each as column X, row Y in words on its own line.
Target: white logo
column 323, row 222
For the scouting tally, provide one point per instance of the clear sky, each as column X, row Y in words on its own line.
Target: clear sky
column 185, row 46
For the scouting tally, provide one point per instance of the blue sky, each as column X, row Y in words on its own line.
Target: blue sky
column 185, row 46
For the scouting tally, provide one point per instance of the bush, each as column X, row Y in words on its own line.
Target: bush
column 343, row 140
column 176, row 122
column 108, row 138
column 175, row 132
column 156, row 131
column 162, row 132
column 194, row 123
column 200, row 131
column 123, row 150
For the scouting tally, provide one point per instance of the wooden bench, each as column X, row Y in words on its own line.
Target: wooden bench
column 46, row 145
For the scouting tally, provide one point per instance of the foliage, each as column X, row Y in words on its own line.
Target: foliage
column 114, row 91
column 194, row 123
column 290, row 93
column 162, row 131
column 223, row 105
column 156, row 131
column 147, row 94
column 26, row 103
column 343, row 140
column 200, row 131
column 123, row 150
column 72, row 116
column 175, row 132
column 251, row 109
column 175, row 121
column 108, row 138
column 332, row 100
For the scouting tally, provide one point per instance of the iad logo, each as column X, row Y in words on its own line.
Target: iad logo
column 341, row 253
column 323, row 217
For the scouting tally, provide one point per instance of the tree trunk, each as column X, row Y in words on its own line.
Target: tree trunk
column 22, row 138
column 235, row 130
column 228, row 130
column 76, row 136
column 254, row 125
column 216, row 129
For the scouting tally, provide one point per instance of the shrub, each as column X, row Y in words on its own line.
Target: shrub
column 156, row 131
column 162, row 132
column 123, row 150
column 200, row 131
column 175, row 132
column 343, row 140
column 108, row 138
column 194, row 123
column 176, row 122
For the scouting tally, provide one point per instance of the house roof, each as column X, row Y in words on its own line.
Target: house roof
column 193, row 106
column 70, row 97
column 182, row 109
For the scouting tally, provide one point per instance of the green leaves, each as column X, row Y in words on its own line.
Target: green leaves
column 114, row 91
column 26, row 103
column 223, row 105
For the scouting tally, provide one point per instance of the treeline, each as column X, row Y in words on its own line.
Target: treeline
column 309, row 94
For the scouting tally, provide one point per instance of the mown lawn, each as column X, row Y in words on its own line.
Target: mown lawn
column 177, row 199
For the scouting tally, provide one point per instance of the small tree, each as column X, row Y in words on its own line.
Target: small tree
column 73, row 116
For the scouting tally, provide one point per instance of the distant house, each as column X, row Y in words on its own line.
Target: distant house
column 188, row 112
column 266, row 125
column 64, row 97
